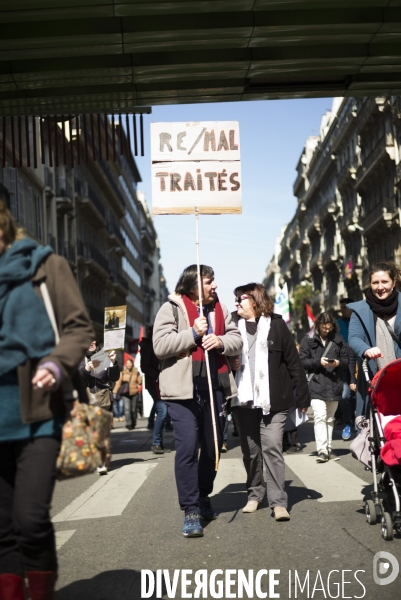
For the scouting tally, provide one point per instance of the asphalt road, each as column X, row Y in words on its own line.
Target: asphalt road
column 111, row 528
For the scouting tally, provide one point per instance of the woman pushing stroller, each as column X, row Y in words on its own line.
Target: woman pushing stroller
column 375, row 326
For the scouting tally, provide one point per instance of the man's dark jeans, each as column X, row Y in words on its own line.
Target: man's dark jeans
column 192, row 421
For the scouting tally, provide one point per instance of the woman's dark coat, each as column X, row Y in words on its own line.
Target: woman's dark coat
column 326, row 384
column 285, row 368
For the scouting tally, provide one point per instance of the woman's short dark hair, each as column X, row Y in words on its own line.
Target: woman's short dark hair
column 323, row 319
column 391, row 269
column 188, row 280
column 262, row 303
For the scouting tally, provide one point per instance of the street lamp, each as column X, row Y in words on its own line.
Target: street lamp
column 354, row 227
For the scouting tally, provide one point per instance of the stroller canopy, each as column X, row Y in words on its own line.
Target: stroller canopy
column 385, row 390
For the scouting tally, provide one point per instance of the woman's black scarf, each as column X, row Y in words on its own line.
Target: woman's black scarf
column 383, row 308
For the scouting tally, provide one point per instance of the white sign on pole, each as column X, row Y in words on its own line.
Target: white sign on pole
column 196, row 165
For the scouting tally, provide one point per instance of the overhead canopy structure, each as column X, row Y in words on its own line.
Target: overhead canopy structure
column 63, row 56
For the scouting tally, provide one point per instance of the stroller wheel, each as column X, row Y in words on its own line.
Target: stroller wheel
column 370, row 512
column 387, row 527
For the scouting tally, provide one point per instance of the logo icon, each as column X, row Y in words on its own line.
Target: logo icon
column 381, row 566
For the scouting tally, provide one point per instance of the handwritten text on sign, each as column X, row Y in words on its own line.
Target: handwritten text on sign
column 211, row 186
column 208, row 140
column 196, row 165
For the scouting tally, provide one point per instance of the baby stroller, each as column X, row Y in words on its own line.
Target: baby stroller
column 385, row 401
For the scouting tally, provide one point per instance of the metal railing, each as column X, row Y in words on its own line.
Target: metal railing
column 63, row 188
column 96, row 314
column 89, row 252
column 120, row 279
column 114, row 229
column 68, row 251
column 51, row 240
column 49, row 178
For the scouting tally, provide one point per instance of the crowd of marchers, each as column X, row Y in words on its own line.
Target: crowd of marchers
column 201, row 365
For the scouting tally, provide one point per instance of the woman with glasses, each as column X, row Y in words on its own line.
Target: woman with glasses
column 324, row 356
column 266, row 372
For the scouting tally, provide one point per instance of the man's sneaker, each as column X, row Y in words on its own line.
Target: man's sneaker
column 192, row 526
column 206, row 509
column 157, row 450
column 346, row 434
column 224, row 448
column 102, row 470
column 294, row 449
column 322, row 457
column 332, row 455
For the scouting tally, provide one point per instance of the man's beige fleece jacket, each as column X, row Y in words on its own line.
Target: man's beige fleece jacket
column 172, row 346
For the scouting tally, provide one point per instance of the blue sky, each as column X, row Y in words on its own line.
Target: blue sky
column 239, row 247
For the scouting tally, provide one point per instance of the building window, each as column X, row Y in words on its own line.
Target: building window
column 12, row 180
column 21, row 201
column 38, row 212
column 31, row 211
column 131, row 272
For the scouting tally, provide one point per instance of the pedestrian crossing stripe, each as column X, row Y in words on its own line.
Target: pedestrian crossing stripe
column 109, row 496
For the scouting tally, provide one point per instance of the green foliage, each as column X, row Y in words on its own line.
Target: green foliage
column 302, row 295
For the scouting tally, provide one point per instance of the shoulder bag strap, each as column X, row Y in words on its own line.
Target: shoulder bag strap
column 175, row 313
column 391, row 332
column 70, row 394
column 49, row 309
column 323, row 356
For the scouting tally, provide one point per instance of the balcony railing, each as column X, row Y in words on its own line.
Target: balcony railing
column 120, row 280
column 96, row 314
column 328, row 255
column 86, row 193
column 369, row 159
column 68, row 251
column 315, row 259
column 89, row 252
column 398, row 173
column 51, row 240
column 63, row 188
column 49, row 178
column 114, row 229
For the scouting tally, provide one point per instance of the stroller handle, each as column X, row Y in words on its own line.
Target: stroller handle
column 366, row 370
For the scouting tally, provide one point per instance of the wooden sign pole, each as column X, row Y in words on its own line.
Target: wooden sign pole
column 209, row 378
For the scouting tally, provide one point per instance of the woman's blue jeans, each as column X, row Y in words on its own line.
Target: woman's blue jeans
column 118, row 408
column 161, row 415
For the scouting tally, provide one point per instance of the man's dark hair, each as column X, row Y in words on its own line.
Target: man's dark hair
column 346, row 300
column 188, row 280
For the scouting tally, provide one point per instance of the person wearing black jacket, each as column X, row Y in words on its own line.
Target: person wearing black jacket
column 266, row 373
column 325, row 380
column 97, row 378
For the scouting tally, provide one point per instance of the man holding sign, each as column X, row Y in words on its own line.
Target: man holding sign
column 180, row 337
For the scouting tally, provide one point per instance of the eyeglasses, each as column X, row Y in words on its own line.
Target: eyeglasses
column 241, row 298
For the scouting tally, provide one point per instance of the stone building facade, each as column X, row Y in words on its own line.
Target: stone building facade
column 88, row 210
column 348, row 190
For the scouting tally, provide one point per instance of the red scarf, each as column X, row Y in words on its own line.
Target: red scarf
column 198, row 353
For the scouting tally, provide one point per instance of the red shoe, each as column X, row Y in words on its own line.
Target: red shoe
column 42, row 584
column 12, row 587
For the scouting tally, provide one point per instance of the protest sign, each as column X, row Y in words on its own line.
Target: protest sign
column 196, row 167
column 115, row 318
